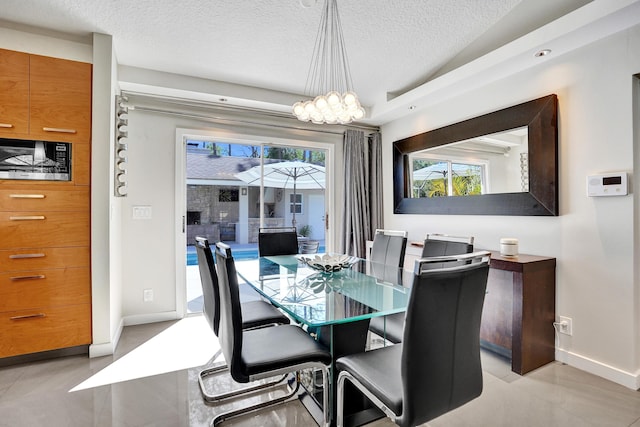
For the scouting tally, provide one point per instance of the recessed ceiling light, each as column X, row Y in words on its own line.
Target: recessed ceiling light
column 543, row 52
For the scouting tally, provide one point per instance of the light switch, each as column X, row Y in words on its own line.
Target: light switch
column 141, row 212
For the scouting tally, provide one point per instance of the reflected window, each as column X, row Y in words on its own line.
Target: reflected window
column 440, row 178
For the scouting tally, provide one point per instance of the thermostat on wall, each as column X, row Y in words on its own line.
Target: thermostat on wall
column 612, row 184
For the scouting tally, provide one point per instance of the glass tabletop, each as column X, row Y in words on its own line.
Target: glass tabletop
column 317, row 298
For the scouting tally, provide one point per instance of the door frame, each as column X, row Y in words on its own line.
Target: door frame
column 229, row 136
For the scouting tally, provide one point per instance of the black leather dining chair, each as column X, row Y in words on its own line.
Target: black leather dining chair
column 277, row 241
column 437, row 367
column 443, row 244
column 389, row 247
column 262, row 353
column 387, row 255
column 391, row 327
column 256, row 313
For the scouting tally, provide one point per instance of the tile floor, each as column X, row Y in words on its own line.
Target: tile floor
column 37, row 394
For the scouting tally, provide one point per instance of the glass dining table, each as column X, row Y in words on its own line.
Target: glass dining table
column 335, row 307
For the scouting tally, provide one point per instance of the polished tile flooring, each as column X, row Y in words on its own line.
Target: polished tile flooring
column 38, row 394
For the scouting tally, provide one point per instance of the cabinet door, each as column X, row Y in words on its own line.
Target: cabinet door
column 44, row 229
column 15, row 260
column 29, row 290
column 60, row 99
column 30, row 331
column 14, row 93
column 44, row 199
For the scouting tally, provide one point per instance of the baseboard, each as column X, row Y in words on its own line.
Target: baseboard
column 627, row 379
column 107, row 349
column 141, row 319
column 102, row 349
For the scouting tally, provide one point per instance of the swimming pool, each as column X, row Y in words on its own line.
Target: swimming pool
column 192, row 257
column 238, row 253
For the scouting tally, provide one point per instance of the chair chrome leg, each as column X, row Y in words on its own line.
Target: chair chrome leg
column 234, row 393
column 340, row 400
column 290, row 397
column 222, row 396
column 325, row 397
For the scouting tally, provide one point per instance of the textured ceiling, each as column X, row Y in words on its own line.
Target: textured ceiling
column 393, row 45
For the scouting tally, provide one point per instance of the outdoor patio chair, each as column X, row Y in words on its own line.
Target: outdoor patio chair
column 277, row 241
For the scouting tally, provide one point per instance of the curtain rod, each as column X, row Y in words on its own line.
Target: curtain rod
column 227, row 108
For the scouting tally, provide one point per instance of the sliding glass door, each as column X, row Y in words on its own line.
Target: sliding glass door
column 234, row 188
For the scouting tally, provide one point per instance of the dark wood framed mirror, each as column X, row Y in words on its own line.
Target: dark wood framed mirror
column 539, row 117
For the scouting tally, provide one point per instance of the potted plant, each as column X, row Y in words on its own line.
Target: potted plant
column 305, row 231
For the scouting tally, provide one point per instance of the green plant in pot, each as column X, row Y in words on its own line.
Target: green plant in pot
column 305, row 231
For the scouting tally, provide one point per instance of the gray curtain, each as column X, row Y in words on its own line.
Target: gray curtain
column 362, row 191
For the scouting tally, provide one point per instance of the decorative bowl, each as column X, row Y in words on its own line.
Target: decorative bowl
column 329, row 263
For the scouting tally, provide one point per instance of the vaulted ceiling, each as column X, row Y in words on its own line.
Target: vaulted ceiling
column 396, row 48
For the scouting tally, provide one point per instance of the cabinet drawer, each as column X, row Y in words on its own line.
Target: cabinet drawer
column 42, row 229
column 30, row 331
column 44, row 200
column 24, row 290
column 43, row 258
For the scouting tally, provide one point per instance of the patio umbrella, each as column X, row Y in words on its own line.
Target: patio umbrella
column 295, row 175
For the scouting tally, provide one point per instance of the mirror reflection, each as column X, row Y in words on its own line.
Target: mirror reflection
column 487, row 164
column 501, row 189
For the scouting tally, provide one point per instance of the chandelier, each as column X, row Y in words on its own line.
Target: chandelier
column 329, row 77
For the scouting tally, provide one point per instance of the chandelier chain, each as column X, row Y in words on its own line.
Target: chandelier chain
column 329, row 76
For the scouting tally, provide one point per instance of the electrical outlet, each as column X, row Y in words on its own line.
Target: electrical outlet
column 147, row 295
column 565, row 325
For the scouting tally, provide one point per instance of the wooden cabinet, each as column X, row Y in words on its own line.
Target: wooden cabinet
column 60, row 97
column 44, row 229
column 14, row 93
column 44, row 98
column 45, row 280
column 519, row 310
column 44, row 268
column 14, row 260
column 45, row 287
column 30, row 331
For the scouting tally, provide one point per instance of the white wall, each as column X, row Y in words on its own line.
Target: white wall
column 149, row 246
column 38, row 44
column 105, row 236
column 593, row 238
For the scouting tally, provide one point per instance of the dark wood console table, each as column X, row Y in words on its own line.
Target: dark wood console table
column 519, row 310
